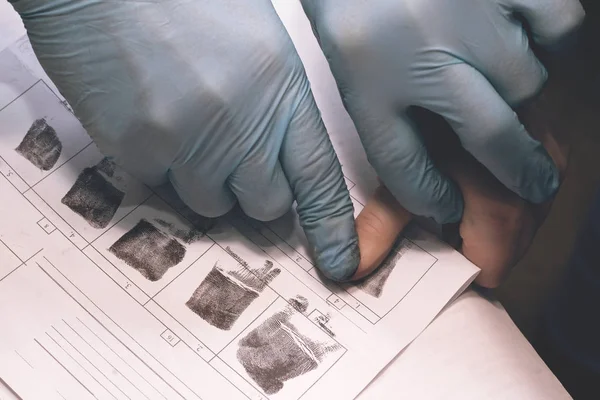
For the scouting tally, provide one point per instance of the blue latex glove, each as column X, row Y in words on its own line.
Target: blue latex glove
column 207, row 94
column 467, row 60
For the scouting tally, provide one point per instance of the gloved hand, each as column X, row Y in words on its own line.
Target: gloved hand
column 498, row 226
column 207, row 94
column 466, row 60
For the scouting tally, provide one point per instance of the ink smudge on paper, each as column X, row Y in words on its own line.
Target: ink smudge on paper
column 375, row 283
column 276, row 351
column 93, row 196
column 41, row 145
column 223, row 296
column 148, row 250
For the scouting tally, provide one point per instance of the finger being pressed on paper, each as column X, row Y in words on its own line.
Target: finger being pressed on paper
column 378, row 226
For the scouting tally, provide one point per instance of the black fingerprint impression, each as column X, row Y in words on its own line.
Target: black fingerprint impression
column 148, row 250
column 224, row 295
column 375, row 283
column 276, row 351
column 41, row 146
column 93, row 196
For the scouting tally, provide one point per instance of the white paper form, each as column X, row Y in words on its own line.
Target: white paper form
column 6, row 393
column 110, row 289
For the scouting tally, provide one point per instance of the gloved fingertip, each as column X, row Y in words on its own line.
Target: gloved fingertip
column 331, row 233
column 452, row 215
column 545, row 185
column 339, row 263
column 554, row 182
column 450, row 210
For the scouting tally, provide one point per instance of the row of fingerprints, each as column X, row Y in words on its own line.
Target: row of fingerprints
column 42, row 132
column 272, row 353
column 99, row 191
column 151, row 247
column 42, row 136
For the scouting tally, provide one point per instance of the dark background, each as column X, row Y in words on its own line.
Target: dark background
column 535, row 280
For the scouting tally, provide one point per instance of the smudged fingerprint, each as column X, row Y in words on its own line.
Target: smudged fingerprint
column 93, row 196
column 276, row 351
column 223, row 296
column 188, row 236
column 299, row 303
column 200, row 223
column 41, row 145
column 148, row 250
column 375, row 283
column 107, row 167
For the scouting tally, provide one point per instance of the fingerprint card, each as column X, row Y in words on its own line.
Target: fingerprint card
column 217, row 297
column 283, row 353
column 398, row 274
column 23, row 50
column 153, row 245
column 39, row 134
column 91, row 193
column 15, row 78
column 8, row 261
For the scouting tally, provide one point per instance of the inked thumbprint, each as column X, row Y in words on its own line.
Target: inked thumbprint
column 41, row 145
column 93, row 196
column 148, row 250
column 276, row 351
column 375, row 283
column 223, row 296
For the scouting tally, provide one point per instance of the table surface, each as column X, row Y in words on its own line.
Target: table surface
column 473, row 350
